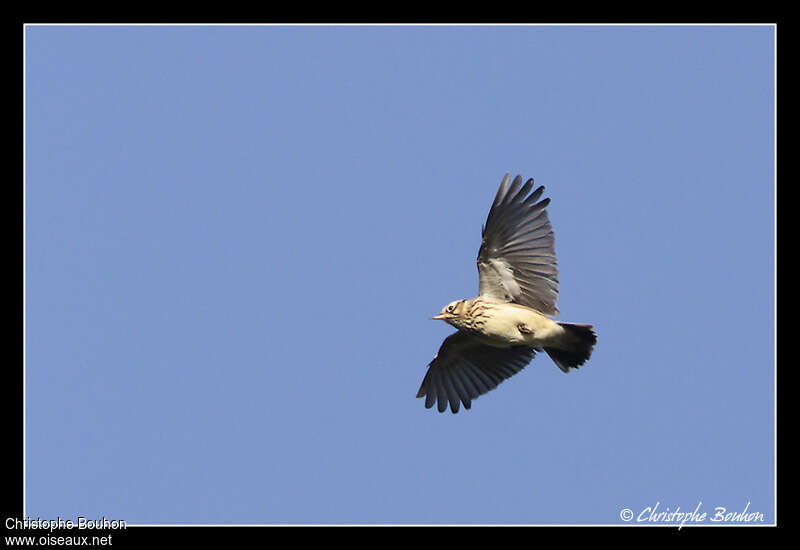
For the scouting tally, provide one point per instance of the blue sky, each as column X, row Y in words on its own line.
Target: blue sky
column 235, row 237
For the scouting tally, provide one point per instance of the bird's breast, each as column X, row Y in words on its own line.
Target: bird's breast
column 512, row 325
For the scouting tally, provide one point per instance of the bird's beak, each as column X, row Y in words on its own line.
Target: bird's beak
column 440, row 317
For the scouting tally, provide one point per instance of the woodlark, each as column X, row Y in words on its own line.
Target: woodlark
column 501, row 330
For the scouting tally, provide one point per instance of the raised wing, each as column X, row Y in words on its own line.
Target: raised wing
column 465, row 368
column 517, row 258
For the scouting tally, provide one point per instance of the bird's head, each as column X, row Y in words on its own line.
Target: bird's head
column 451, row 313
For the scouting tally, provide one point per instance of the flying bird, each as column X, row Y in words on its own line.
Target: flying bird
column 500, row 331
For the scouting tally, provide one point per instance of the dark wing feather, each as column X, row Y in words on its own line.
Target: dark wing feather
column 465, row 369
column 517, row 258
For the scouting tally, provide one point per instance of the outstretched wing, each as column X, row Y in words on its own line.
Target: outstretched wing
column 465, row 368
column 517, row 258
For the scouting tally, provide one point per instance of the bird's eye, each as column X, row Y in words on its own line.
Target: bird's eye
column 449, row 309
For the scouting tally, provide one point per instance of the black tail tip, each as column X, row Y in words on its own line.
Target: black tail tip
column 581, row 341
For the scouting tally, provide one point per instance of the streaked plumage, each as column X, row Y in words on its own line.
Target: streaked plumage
column 500, row 331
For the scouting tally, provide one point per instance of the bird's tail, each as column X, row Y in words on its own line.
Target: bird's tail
column 576, row 348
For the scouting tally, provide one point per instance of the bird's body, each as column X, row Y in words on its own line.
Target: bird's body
column 504, row 325
column 500, row 331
